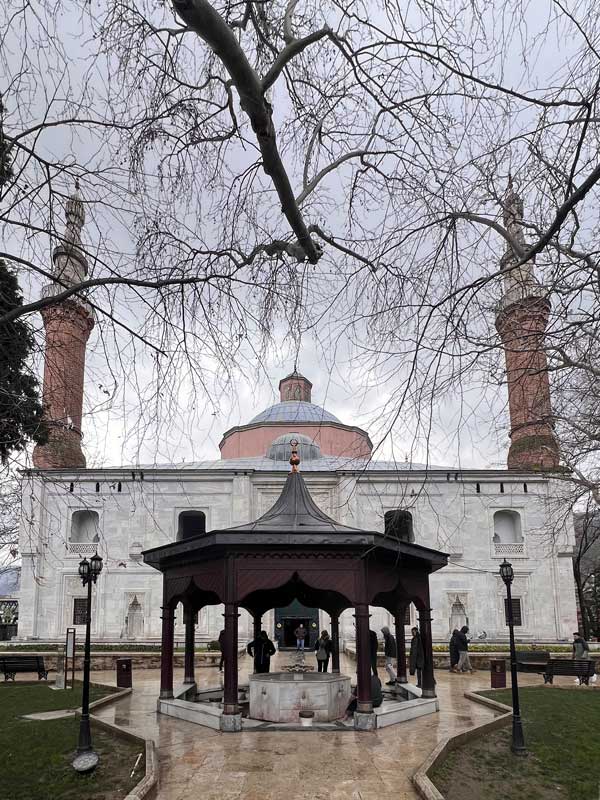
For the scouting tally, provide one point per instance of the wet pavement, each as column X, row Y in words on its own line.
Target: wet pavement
column 196, row 762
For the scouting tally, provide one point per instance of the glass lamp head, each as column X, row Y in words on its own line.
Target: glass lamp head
column 84, row 570
column 95, row 565
column 507, row 572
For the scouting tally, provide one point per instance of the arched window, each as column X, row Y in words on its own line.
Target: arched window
column 190, row 523
column 399, row 524
column 84, row 526
column 507, row 527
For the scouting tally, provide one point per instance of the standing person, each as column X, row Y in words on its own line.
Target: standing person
column 261, row 649
column 390, row 650
column 373, row 646
column 454, row 654
column 581, row 648
column 417, row 658
column 464, row 664
column 222, row 649
column 323, row 649
column 300, row 634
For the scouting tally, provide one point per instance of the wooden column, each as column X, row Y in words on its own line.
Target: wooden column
column 230, row 694
column 428, row 680
column 400, row 645
column 190, row 620
column 335, row 641
column 363, row 658
column 256, row 623
column 166, row 653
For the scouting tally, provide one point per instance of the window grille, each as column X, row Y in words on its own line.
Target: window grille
column 516, row 609
column 79, row 610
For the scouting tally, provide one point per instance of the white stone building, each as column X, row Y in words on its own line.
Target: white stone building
column 477, row 516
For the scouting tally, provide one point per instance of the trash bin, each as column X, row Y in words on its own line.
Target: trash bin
column 498, row 673
column 124, row 673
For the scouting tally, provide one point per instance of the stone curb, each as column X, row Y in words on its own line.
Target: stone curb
column 110, row 698
column 420, row 778
column 147, row 785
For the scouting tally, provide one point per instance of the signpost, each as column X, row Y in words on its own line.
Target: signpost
column 70, row 654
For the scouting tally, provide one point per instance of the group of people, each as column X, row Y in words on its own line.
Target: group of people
column 262, row 648
column 459, row 650
column 390, row 650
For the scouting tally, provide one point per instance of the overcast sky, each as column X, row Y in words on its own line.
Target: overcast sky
column 470, row 430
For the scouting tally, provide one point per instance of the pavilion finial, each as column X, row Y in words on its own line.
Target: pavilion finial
column 294, row 458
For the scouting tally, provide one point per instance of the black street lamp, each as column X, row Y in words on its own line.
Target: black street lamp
column 518, row 741
column 86, row 759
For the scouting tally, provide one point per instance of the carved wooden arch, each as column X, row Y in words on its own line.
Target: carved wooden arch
column 296, row 588
column 321, row 572
column 410, row 587
column 186, row 591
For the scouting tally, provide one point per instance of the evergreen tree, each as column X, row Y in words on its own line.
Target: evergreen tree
column 20, row 406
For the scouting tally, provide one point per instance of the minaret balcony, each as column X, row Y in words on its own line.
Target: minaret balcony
column 53, row 289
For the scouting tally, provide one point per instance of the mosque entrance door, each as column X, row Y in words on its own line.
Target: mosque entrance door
column 288, row 618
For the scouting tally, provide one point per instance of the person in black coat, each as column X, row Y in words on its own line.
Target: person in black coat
column 390, row 651
column 417, row 658
column 454, row 653
column 323, row 649
column 464, row 664
column 376, row 697
column 222, row 649
column 373, row 646
column 261, row 649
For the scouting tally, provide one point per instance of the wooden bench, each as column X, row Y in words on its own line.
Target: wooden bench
column 582, row 668
column 532, row 660
column 10, row 665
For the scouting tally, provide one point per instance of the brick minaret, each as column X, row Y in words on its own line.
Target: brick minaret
column 67, row 325
column 521, row 322
column 295, row 387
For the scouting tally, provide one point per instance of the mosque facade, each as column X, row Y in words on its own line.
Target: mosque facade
column 477, row 516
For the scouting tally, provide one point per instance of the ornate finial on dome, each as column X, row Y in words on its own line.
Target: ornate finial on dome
column 294, row 458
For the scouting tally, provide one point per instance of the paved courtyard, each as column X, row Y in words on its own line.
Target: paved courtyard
column 197, row 762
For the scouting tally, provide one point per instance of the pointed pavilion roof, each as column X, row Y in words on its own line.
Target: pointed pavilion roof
column 296, row 512
column 295, row 521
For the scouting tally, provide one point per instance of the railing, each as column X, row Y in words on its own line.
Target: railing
column 82, row 548
column 509, row 548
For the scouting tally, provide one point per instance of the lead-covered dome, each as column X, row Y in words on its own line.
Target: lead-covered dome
column 294, row 411
column 280, row 448
column 319, row 432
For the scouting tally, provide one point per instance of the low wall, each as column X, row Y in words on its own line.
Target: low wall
column 107, row 661
column 441, row 660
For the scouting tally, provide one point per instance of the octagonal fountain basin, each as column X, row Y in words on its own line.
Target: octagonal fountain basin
column 281, row 696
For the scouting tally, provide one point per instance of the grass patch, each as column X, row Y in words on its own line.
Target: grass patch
column 562, row 735
column 36, row 756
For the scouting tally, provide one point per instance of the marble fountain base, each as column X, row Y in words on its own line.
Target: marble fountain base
column 285, row 695
column 281, row 696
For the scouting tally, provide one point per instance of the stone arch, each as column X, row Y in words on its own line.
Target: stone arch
column 134, row 621
column 399, row 525
column 507, row 527
column 190, row 523
column 84, row 526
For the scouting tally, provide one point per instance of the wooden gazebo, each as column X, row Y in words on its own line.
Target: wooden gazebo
column 294, row 551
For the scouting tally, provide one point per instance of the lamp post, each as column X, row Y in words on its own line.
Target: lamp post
column 518, row 741
column 86, row 759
